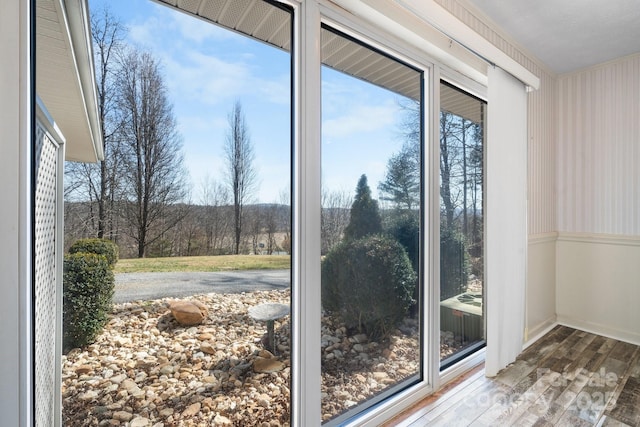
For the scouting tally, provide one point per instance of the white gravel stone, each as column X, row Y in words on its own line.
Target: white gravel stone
column 145, row 368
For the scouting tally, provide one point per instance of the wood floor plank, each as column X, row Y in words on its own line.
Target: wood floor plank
column 577, row 350
column 570, row 419
column 567, row 378
column 608, row 345
column 591, row 401
column 527, row 397
column 623, row 351
column 627, row 407
column 454, row 399
column 439, row 398
column 477, row 404
column 597, row 343
column 611, row 422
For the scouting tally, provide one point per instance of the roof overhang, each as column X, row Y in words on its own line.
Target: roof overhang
column 265, row 22
column 65, row 76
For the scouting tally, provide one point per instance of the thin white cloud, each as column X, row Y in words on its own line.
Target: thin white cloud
column 360, row 119
column 205, row 78
column 199, row 31
column 204, row 62
column 164, row 22
column 275, row 91
column 205, row 124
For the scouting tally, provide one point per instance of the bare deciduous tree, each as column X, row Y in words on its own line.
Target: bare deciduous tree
column 271, row 227
column 97, row 183
column 152, row 151
column 334, row 217
column 215, row 198
column 256, row 225
column 285, row 218
column 241, row 173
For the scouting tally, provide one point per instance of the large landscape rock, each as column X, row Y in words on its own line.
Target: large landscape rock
column 264, row 365
column 188, row 313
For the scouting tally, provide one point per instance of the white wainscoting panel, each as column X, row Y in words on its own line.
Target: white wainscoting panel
column 598, row 280
column 541, row 285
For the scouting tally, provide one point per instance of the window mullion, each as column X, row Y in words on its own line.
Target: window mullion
column 306, row 216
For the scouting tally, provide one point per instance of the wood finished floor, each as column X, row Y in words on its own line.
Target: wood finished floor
column 567, row 378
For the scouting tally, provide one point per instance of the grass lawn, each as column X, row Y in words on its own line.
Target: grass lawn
column 204, row 263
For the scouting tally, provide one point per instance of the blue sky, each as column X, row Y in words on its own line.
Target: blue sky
column 208, row 68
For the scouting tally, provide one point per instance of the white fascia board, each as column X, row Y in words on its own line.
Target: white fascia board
column 79, row 29
column 438, row 17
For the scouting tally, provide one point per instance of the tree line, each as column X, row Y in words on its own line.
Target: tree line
column 461, row 195
column 139, row 194
column 203, row 230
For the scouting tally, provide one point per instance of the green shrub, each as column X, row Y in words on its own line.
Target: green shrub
column 97, row 246
column 404, row 226
column 369, row 284
column 454, row 263
column 87, row 297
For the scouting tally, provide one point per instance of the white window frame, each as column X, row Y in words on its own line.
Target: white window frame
column 17, row 110
column 308, row 17
column 479, row 91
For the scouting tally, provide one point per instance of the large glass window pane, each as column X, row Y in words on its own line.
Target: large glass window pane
column 203, row 94
column 461, row 224
column 371, row 227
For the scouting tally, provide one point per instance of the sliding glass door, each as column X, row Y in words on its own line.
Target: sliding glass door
column 371, row 229
column 462, row 180
column 341, row 184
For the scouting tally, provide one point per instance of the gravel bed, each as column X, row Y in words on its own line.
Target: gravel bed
column 146, row 370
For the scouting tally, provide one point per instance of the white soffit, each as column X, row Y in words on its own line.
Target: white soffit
column 568, row 35
column 272, row 25
column 459, row 103
column 65, row 78
column 254, row 18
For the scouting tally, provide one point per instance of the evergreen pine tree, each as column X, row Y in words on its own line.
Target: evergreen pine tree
column 365, row 217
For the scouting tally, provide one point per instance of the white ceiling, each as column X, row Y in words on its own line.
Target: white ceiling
column 568, row 35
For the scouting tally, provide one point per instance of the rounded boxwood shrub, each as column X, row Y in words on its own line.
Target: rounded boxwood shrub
column 97, row 246
column 369, row 283
column 88, row 285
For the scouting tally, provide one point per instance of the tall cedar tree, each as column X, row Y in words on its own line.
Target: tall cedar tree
column 365, row 216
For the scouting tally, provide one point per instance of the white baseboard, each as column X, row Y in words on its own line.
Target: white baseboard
column 539, row 331
column 597, row 329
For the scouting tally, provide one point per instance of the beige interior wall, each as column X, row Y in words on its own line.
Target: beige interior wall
column 599, row 199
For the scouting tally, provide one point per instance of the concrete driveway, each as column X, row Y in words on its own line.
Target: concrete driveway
column 148, row 286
